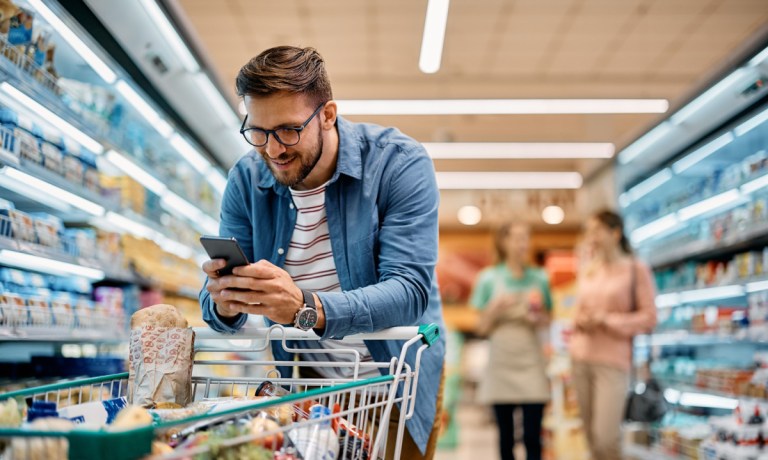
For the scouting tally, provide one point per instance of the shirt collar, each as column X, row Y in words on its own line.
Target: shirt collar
column 349, row 161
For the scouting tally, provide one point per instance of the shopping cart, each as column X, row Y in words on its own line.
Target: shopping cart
column 366, row 416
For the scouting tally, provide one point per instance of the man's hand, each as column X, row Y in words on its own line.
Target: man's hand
column 259, row 288
column 588, row 322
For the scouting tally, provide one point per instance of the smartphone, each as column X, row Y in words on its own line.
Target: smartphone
column 228, row 249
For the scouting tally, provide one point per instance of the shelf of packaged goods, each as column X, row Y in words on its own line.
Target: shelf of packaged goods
column 726, row 293
column 688, row 338
column 638, row 452
column 665, row 256
column 60, row 335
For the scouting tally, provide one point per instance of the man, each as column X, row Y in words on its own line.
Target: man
column 341, row 218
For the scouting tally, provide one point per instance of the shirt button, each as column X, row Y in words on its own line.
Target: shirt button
column 280, row 251
column 290, row 205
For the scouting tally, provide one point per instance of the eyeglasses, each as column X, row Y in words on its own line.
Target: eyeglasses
column 258, row 137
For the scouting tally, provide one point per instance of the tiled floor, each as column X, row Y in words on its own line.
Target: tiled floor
column 478, row 436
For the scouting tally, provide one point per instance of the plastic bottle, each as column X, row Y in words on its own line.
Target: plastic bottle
column 316, row 440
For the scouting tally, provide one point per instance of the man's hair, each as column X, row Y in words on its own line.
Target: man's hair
column 286, row 69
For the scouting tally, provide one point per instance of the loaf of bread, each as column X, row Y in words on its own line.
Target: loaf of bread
column 160, row 315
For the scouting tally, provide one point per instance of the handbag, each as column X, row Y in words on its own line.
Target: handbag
column 645, row 402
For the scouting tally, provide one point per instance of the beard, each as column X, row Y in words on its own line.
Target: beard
column 307, row 162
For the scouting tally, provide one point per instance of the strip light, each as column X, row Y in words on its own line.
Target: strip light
column 98, row 66
column 508, row 180
column 434, row 36
column 214, row 97
column 516, row 150
column 711, row 204
column 190, row 154
column 655, row 228
column 59, row 123
column 131, row 226
column 137, row 173
column 177, row 204
column 41, row 197
column 755, row 185
column 759, row 59
column 708, row 96
column 150, row 114
column 498, row 106
column 53, row 191
column 668, row 300
column 171, row 35
column 50, row 266
column 706, row 400
column 752, row 123
column 757, row 286
column 217, row 180
column 713, row 293
column 645, row 142
column 647, row 186
column 701, row 153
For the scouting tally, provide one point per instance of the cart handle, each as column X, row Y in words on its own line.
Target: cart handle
column 429, row 333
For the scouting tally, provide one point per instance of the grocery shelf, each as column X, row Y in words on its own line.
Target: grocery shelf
column 60, row 335
column 685, row 337
column 638, row 452
column 658, row 257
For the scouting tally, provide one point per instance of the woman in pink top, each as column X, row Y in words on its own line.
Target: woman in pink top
column 607, row 318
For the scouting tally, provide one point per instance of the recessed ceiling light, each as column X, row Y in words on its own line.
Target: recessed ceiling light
column 470, row 215
column 553, row 215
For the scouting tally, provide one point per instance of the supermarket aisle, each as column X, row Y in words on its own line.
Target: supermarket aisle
column 477, row 435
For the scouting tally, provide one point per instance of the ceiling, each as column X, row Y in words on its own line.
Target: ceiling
column 493, row 49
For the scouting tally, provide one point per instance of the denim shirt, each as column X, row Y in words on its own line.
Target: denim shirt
column 382, row 204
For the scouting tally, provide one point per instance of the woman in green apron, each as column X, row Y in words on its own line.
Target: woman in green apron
column 515, row 302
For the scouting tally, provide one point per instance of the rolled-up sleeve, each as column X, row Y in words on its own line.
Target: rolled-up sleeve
column 407, row 241
column 234, row 223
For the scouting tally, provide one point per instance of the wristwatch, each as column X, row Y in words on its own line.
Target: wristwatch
column 306, row 318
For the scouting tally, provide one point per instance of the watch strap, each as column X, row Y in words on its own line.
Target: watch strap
column 309, row 299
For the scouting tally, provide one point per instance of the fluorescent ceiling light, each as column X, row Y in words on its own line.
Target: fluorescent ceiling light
column 50, row 266
column 706, row 400
column 652, row 183
column 516, row 150
column 701, row 153
column 752, row 123
column 759, row 59
column 470, row 215
column 434, row 36
column 655, row 228
column 85, row 51
column 51, row 118
column 137, row 173
column 708, row 96
column 217, row 180
column 713, row 293
column 146, row 111
column 668, row 300
column 220, row 104
column 508, row 180
column 711, row 204
column 172, row 37
column 624, row 200
column 755, row 185
column 53, row 191
column 644, row 143
column 198, row 161
column 498, row 106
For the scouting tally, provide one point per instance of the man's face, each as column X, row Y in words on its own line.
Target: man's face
column 289, row 164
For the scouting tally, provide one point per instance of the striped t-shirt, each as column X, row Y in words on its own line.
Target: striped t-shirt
column 310, row 263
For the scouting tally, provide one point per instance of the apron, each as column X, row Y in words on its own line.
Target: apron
column 516, row 366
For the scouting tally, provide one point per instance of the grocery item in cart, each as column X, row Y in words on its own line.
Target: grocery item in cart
column 316, row 441
column 161, row 357
column 43, row 448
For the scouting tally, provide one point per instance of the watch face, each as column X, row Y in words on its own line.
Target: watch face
column 307, row 319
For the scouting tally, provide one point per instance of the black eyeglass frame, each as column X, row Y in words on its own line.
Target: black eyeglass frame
column 267, row 132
